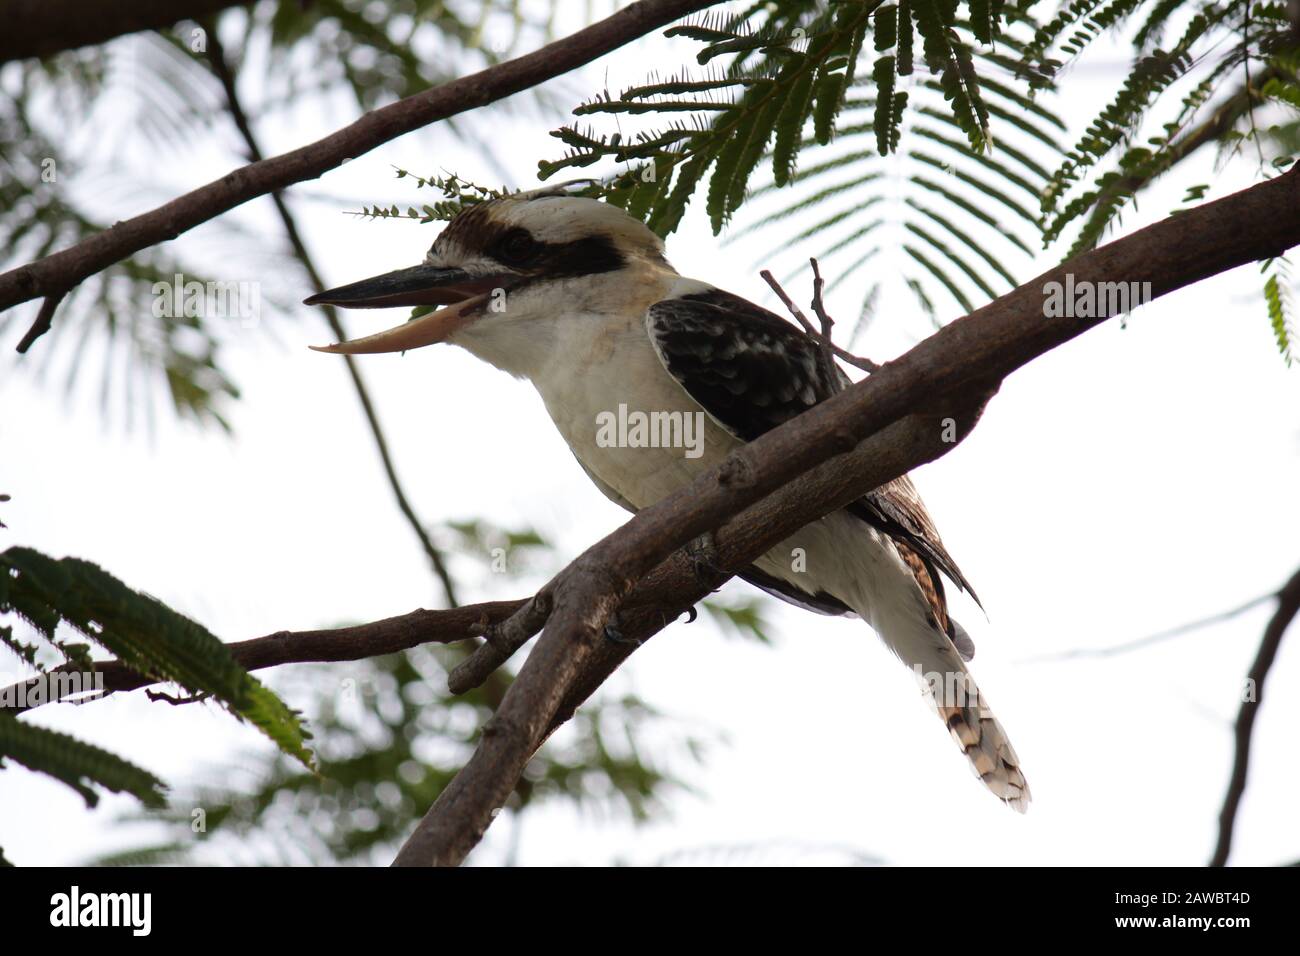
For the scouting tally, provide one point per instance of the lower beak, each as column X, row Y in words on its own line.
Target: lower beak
column 456, row 289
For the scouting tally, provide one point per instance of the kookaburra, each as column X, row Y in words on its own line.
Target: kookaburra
column 577, row 297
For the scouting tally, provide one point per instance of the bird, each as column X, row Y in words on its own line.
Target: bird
column 577, row 297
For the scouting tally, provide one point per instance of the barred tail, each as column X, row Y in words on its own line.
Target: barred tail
column 950, row 687
column 985, row 744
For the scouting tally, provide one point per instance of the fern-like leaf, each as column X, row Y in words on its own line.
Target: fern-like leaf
column 145, row 634
column 78, row 764
column 1277, row 296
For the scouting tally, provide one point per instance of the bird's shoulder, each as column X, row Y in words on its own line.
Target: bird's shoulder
column 750, row 369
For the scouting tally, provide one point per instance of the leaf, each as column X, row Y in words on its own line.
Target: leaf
column 1277, row 297
column 145, row 634
column 76, row 763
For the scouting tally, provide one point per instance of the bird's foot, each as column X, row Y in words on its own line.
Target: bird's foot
column 703, row 553
column 614, row 632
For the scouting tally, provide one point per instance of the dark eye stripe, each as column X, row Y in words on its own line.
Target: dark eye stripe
column 474, row 231
column 589, row 255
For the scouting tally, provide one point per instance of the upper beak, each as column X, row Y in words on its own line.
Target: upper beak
column 418, row 285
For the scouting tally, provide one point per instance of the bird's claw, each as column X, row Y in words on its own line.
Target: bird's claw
column 615, row 635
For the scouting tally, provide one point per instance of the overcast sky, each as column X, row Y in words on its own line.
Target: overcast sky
column 1139, row 477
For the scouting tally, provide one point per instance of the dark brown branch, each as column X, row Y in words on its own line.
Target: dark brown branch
column 499, row 642
column 44, row 319
column 303, row 647
column 175, row 700
column 65, row 269
column 226, row 76
column 41, row 28
column 970, row 355
column 1288, row 606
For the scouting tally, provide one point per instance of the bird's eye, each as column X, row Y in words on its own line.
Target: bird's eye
column 516, row 247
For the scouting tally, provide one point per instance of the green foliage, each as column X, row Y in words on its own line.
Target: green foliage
column 459, row 194
column 822, row 77
column 772, row 90
column 390, row 737
column 740, row 618
column 142, row 632
column 964, row 218
column 1115, row 126
column 791, row 71
column 1277, row 296
column 1228, row 62
column 75, row 763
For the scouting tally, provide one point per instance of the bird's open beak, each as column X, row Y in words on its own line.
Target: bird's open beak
column 460, row 293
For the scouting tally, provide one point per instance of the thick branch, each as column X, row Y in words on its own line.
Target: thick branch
column 1288, row 606
column 62, row 270
column 45, row 27
column 971, row 354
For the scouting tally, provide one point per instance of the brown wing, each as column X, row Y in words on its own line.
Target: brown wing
column 897, row 509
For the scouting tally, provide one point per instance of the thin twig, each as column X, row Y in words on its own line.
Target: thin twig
column 226, row 76
column 830, row 370
column 354, row 643
column 788, row 302
column 856, row 360
column 1157, row 638
column 1288, row 606
column 44, row 320
column 175, row 700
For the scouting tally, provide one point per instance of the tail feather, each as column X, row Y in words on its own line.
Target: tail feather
column 985, row 744
column 936, row 661
column 894, row 590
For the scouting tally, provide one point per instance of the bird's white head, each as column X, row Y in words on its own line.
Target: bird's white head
column 508, row 260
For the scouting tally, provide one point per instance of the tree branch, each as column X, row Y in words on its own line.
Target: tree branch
column 971, row 354
column 41, row 28
column 225, row 75
column 63, row 270
column 355, row 643
column 1288, row 606
column 1159, row 637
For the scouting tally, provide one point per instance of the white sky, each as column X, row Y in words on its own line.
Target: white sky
column 1129, row 481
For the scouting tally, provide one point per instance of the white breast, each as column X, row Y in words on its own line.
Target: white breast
column 599, row 365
